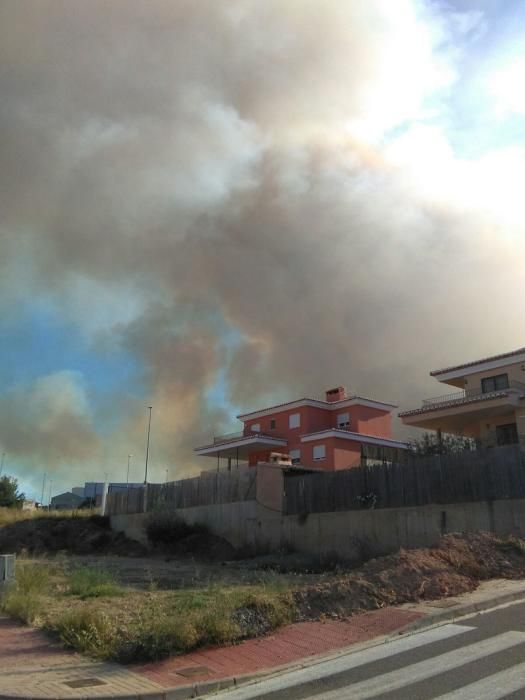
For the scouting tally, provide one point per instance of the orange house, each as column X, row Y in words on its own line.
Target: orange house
column 488, row 403
column 316, row 434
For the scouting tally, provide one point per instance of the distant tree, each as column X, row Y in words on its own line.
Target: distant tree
column 441, row 444
column 10, row 496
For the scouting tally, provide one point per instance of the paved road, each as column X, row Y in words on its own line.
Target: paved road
column 482, row 658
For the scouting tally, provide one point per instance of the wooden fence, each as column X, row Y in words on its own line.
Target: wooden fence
column 481, row 475
column 128, row 501
column 210, row 488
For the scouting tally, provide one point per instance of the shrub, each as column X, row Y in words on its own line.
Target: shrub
column 433, row 444
column 93, row 583
column 166, row 528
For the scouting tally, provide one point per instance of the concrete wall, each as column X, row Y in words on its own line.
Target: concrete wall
column 347, row 534
column 131, row 525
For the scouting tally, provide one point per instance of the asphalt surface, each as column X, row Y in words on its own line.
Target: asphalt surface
column 481, row 657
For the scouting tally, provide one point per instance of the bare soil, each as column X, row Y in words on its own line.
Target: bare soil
column 456, row 565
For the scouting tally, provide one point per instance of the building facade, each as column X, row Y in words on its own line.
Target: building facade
column 488, row 403
column 316, row 434
column 66, row 501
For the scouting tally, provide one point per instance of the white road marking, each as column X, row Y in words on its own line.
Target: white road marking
column 422, row 670
column 346, row 662
column 494, row 687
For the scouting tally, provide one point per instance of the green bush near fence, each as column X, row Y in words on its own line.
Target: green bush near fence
column 165, row 528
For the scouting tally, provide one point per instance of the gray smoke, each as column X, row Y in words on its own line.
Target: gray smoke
column 203, row 184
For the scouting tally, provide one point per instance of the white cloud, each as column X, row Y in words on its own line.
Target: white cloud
column 505, row 88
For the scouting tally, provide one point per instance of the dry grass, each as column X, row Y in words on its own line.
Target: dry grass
column 88, row 611
column 127, row 624
column 147, row 625
column 25, row 600
column 14, row 515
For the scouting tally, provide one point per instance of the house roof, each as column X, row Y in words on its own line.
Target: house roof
column 354, row 437
column 319, row 403
column 67, row 496
column 444, row 405
column 502, row 356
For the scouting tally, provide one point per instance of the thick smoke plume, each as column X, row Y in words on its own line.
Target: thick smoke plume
column 211, row 187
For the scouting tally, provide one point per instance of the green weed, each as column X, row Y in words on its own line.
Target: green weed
column 93, row 583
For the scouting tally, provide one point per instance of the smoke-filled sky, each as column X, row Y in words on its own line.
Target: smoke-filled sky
column 210, row 206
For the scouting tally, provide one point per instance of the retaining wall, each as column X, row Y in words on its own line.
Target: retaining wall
column 256, row 528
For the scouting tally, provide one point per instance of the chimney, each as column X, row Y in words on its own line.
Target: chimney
column 337, row 394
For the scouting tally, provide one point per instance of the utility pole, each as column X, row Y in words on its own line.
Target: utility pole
column 2, row 463
column 49, row 498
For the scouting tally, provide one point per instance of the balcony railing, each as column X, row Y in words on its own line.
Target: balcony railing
column 472, row 394
column 220, row 439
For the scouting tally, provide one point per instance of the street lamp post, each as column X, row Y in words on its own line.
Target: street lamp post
column 147, row 447
column 104, row 494
column 145, row 503
column 127, row 484
column 127, row 473
column 43, row 488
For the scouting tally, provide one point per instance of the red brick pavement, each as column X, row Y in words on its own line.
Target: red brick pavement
column 287, row 645
column 19, row 644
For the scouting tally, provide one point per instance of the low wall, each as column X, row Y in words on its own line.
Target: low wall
column 348, row 534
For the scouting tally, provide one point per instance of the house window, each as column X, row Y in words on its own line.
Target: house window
column 294, row 420
column 272, row 424
column 319, row 451
column 295, row 456
column 343, row 420
column 496, row 383
column 256, row 428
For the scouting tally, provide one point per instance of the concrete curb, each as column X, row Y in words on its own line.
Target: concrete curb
column 194, row 690
column 445, row 616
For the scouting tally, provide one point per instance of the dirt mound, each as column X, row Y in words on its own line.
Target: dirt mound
column 74, row 535
column 455, row 566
